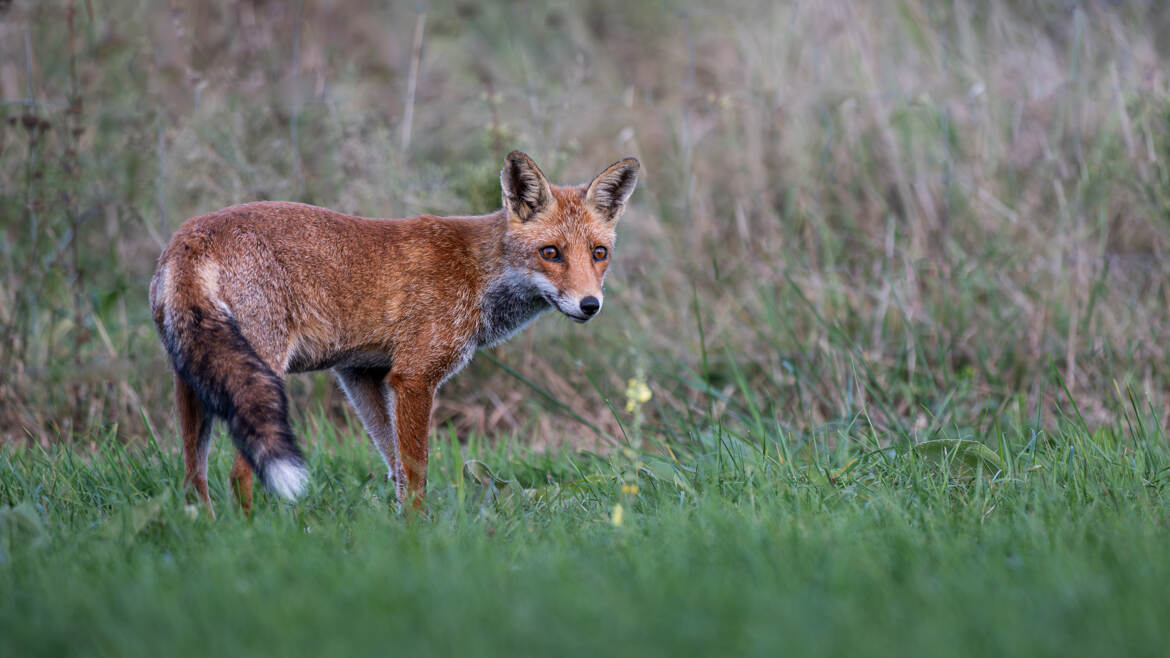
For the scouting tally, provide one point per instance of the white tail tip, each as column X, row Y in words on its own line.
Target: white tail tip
column 287, row 478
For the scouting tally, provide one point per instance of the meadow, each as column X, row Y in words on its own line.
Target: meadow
column 1054, row 544
column 881, row 368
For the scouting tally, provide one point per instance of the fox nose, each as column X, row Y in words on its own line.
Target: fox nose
column 590, row 305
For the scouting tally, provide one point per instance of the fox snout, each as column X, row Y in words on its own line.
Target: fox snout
column 579, row 309
column 586, row 308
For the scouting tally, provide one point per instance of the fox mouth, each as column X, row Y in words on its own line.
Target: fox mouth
column 579, row 318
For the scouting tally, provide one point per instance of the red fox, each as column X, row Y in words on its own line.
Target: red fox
column 245, row 295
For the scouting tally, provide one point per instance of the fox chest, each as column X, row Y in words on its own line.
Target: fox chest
column 508, row 305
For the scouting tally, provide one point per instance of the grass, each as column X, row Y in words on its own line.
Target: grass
column 1043, row 543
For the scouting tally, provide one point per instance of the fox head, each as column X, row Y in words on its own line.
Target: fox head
column 561, row 238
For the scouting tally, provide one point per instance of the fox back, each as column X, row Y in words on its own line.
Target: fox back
column 245, row 295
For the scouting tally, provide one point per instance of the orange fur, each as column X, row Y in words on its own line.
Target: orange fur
column 247, row 294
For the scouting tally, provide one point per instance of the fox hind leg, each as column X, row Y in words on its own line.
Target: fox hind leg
column 241, row 477
column 195, row 428
column 370, row 396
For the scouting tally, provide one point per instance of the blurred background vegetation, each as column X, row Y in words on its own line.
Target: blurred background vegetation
column 907, row 214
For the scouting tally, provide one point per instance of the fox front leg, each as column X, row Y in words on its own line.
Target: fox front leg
column 413, row 399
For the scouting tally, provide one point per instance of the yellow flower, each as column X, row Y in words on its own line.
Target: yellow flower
column 637, row 393
column 616, row 517
column 630, row 489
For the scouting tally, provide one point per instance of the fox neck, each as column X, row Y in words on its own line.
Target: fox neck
column 513, row 299
column 512, row 295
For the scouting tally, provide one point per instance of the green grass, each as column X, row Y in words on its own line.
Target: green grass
column 782, row 546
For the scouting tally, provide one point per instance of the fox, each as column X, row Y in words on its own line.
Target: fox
column 244, row 296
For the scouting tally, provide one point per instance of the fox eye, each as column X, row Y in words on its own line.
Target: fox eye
column 600, row 253
column 550, row 253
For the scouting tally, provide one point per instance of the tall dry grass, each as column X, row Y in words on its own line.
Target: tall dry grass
column 913, row 213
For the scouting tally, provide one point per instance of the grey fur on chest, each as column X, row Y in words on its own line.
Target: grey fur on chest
column 509, row 304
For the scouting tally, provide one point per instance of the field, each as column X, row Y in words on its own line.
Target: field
column 1053, row 545
column 882, row 367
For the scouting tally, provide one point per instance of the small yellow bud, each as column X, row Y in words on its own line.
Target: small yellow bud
column 637, row 393
column 616, row 517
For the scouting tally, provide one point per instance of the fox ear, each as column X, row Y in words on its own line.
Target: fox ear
column 526, row 190
column 608, row 193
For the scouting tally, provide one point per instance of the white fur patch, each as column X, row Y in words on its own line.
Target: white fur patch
column 287, row 478
column 539, row 280
column 208, row 274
